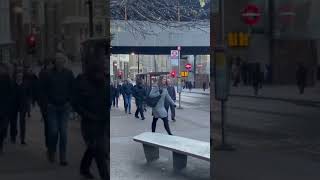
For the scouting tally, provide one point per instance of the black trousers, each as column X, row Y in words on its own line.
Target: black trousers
column 139, row 110
column 94, row 135
column 165, row 123
column 4, row 122
column 22, row 124
column 172, row 109
column 44, row 113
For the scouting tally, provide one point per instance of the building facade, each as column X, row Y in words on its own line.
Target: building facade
column 6, row 43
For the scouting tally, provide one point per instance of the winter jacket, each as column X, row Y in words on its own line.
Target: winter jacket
column 90, row 100
column 6, row 95
column 58, row 87
column 139, row 93
column 127, row 89
column 159, row 110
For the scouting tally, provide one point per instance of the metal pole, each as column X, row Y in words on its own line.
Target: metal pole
column 89, row 2
column 138, row 64
column 179, row 78
column 220, row 42
column 222, row 122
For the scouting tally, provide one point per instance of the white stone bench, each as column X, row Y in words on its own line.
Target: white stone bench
column 180, row 147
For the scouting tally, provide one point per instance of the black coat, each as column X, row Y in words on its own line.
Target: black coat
column 127, row 89
column 22, row 94
column 172, row 92
column 90, row 100
column 139, row 93
column 6, row 95
column 58, row 87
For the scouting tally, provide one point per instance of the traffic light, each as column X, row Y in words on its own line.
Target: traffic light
column 31, row 44
column 173, row 74
column 238, row 39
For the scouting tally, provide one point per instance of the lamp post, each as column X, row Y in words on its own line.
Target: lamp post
column 90, row 6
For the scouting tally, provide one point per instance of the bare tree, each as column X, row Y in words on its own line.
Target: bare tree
column 139, row 14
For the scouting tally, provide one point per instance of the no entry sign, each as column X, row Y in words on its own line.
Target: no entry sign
column 251, row 14
column 287, row 13
column 188, row 66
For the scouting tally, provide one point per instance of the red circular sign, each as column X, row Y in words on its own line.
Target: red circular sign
column 251, row 14
column 287, row 14
column 188, row 66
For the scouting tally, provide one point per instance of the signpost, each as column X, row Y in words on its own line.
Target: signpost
column 251, row 14
column 174, row 57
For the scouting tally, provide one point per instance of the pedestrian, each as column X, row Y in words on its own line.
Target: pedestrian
column 21, row 102
column 190, row 86
column 112, row 92
column 116, row 94
column 204, row 86
column 43, row 104
column 58, row 93
column 139, row 93
column 31, row 77
column 244, row 73
column 159, row 111
column 301, row 76
column 256, row 78
column 127, row 89
column 236, row 72
column 172, row 94
column 90, row 100
column 6, row 97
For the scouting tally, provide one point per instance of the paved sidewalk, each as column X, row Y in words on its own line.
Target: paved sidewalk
column 282, row 93
column 30, row 162
column 248, row 164
column 127, row 157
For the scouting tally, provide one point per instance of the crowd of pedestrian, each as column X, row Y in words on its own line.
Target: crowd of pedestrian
column 256, row 75
column 57, row 93
column 162, row 93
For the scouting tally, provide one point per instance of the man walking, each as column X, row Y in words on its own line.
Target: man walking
column 90, row 99
column 57, row 92
column 172, row 93
column 6, row 97
column 43, row 105
column 139, row 95
column 301, row 76
column 127, row 89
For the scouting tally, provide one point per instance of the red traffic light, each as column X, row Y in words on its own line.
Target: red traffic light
column 31, row 40
column 173, row 74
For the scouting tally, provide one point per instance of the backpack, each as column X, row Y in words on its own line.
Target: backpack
column 152, row 101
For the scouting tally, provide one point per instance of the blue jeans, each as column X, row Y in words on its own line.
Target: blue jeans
column 128, row 103
column 57, row 129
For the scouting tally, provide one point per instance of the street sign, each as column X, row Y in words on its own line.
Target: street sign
column 188, row 66
column 174, row 57
column 184, row 73
column 287, row 14
column 221, row 75
column 251, row 14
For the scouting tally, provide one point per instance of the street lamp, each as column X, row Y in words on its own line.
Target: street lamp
column 89, row 3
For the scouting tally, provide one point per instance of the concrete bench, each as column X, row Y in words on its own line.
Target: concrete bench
column 181, row 148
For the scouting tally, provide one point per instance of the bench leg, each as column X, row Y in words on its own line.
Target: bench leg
column 151, row 153
column 179, row 161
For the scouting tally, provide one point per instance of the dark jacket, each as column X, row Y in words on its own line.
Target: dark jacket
column 6, row 95
column 89, row 100
column 41, row 86
column 117, row 91
column 127, row 89
column 58, row 87
column 32, row 80
column 139, row 93
column 22, row 94
column 172, row 92
column 301, row 76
